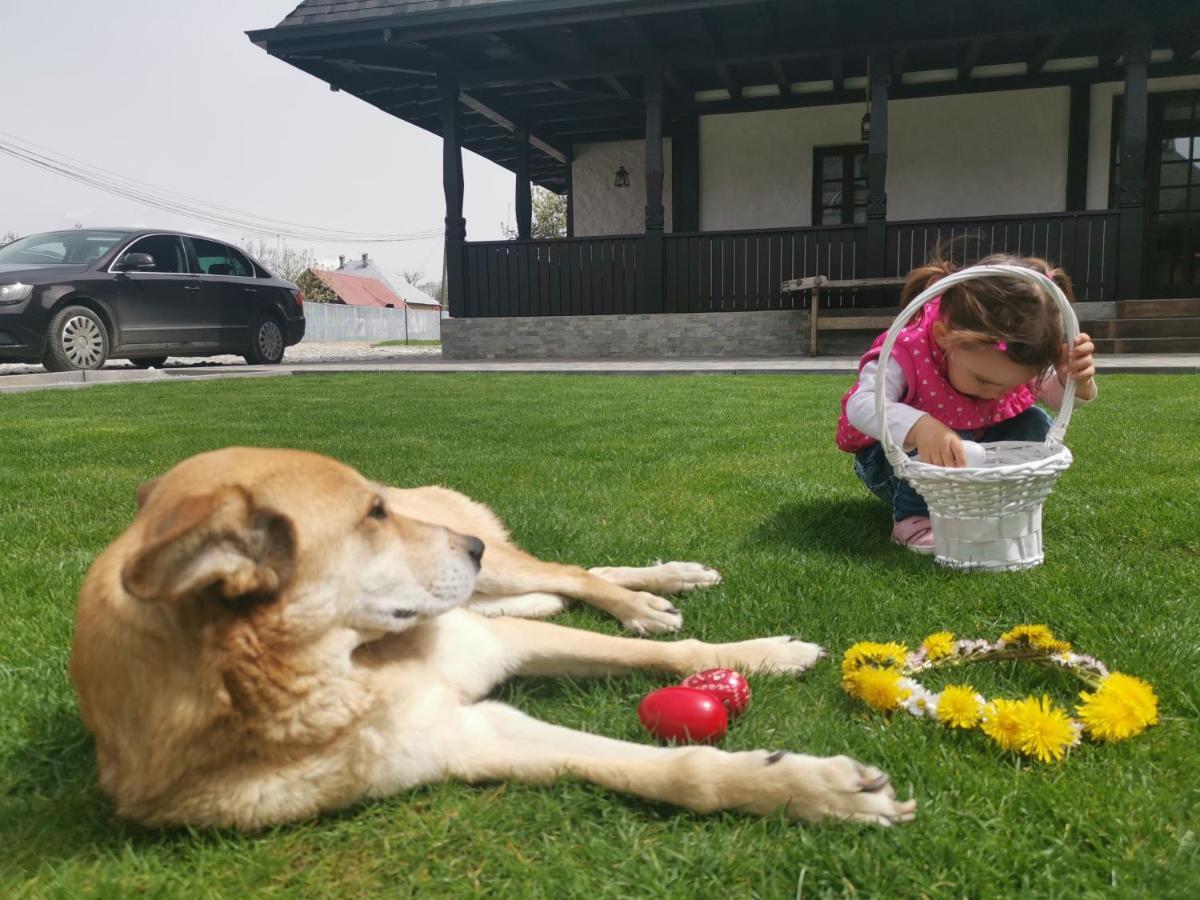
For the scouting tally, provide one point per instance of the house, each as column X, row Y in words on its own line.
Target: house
column 362, row 282
column 711, row 150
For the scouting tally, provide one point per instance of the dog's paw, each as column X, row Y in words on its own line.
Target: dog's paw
column 780, row 655
column 861, row 793
column 649, row 614
column 677, row 577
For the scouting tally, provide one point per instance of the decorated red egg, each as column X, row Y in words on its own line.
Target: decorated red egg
column 728, row 686
column 684, row 715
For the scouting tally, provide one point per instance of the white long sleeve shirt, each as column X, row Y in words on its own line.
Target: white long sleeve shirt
column 860, row 408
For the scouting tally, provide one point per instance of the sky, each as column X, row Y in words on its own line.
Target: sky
column 172, row 93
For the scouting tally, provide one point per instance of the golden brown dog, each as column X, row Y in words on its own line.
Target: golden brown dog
column 274, row 635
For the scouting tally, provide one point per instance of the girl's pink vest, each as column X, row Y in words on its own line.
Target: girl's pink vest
column 929, row 390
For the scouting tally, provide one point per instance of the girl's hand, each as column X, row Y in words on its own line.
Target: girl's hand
column 937, row 444
column 1080, row 367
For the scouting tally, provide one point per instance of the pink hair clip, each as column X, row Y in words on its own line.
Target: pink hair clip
column 1002, row 346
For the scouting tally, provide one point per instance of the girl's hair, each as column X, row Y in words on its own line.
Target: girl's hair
column 989, row 311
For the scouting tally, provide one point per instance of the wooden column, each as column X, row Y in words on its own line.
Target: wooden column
column 1078, row 125
column 1131, row 167
column 880, row 73
column 651, row 263
column 524, row 199
column 685, row 174
column 569, row 178
column 452, row 185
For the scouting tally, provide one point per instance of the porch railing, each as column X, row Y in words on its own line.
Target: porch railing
column 1082, row 243
column 564, row 277
column 743, row 270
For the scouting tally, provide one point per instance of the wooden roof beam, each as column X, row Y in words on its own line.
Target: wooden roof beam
column 619, row 89
column 1044, row 53
column 711, row 48
column 781, row 77
column 510, row 122
column 837, row 71
column 971, row 57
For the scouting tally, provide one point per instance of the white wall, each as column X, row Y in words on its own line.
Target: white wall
column 600, row 206
column 966, row 155
column 1100, row 136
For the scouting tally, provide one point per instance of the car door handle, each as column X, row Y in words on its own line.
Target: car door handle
column 191, row 287
column 251, row 290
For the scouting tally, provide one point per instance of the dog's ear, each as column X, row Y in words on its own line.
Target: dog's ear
column 143, row 491
column 214, row 540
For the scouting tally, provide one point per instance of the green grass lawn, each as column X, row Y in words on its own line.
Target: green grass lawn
column 738, row 472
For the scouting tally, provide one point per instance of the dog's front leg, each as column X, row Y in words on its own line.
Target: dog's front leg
column 499, row 743
column 542, row 648
column 508, row 572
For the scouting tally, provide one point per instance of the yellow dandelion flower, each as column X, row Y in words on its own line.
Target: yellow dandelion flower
column 1001, row 724
column 878, row 688
column 958, row 706
column 1042, row 730
column 869, row 652
column 1033, row 635
column 938, row 645
column 1053, row 645
column 1123, row 706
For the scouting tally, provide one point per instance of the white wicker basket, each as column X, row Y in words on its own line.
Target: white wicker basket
column 989, row 516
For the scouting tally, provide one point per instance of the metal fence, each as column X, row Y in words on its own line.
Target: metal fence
column 335, row 322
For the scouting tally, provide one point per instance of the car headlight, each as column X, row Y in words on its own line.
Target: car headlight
column 15, row 293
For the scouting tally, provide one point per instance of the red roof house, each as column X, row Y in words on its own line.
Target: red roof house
column 355, row 290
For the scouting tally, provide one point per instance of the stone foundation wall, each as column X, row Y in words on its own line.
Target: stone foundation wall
column 773, row 333
column 676, row 335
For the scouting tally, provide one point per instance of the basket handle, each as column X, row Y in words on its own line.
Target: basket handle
column 896, row 456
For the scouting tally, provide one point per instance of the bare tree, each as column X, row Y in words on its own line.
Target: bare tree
column 279, row 258
column 9, row 237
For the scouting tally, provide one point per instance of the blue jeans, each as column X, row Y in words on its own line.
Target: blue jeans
column 873, row 468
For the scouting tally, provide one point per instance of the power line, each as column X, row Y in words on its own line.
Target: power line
column 190, row 207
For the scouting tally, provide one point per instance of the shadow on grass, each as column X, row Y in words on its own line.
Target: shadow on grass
column 837, row 528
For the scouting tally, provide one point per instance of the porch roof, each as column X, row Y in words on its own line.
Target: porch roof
column 570, row 71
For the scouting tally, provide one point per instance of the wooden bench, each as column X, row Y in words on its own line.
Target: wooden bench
column 817, row 323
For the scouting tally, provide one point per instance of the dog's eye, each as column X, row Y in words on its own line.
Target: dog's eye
column 377, row 510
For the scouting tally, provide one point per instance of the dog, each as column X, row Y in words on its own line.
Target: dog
column 275, row 636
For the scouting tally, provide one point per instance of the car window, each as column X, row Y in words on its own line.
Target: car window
column 213, row 258
column 77, row 246
column 167, row 250
column 241, row 266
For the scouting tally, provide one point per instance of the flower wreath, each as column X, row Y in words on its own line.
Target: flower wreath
column 1118, row 707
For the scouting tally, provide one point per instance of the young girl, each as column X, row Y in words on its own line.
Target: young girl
column 971, row 364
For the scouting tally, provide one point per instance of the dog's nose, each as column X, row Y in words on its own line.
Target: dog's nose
column 475, row 549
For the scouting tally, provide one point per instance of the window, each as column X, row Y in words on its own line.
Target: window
column 167, row 251
column 840, row 185
column 242, row 267
column 214, row 258
column 77, row 246
column 1172, row 250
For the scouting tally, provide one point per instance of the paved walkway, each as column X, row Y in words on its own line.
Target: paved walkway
column 328, row 358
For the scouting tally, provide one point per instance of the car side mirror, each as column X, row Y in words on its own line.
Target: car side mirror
column 136, row 261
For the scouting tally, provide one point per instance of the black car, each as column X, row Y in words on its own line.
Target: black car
column 73, row 299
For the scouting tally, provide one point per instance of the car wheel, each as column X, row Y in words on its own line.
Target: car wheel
column 149, row 362
column 266, row 342
column 77, row 339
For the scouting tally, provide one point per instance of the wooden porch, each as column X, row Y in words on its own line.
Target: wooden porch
column 527, row 82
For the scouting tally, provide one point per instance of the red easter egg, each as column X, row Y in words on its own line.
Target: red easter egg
column 728, row 686
column 683, row 715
